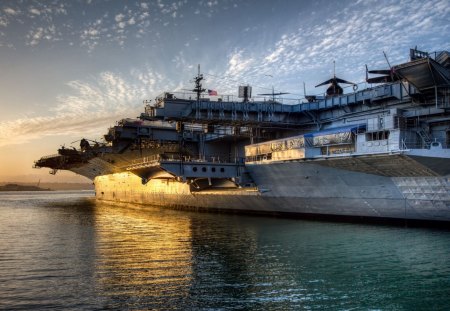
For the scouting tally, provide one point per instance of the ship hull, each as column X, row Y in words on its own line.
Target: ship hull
column 295, row 188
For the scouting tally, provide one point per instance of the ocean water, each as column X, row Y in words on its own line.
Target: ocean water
column 64, row 250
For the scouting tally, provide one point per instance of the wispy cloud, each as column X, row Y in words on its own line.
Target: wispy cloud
column 11, row 11
column 118, row 27
column 91, row 107
column 36, row 35
column 34, row 11
column 93, row 33
column 238, row 63
column 348, row 37
column 355, row 23
column 351, row 33
column 42, row 21
column 37, row 19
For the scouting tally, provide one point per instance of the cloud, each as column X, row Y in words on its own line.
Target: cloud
column 212, row 3
column 11, row 11
column 93, row 33
column 34, row 11
column 90, row 108
column 38, row 22
column 33, row 24
column 352, row 33
column 348, row 36
column 119, row 17
column 238, row 63
column 352, row 22
column 3, row 21
column 35, row 36
column 274, row 56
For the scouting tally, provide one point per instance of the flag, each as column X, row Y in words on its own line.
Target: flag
column 212, row 93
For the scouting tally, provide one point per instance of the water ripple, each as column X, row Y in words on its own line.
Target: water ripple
column 65, row 251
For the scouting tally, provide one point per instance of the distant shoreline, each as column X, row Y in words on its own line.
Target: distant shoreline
column 18, row 186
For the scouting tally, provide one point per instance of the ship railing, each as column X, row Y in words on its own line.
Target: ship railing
column 223, row 98
column 157, row 158
column 210, row 159
column 300, row 104
column 421, row 145
column 267, row 158
column 142, row 162
column 344, row 152
column 152, row 159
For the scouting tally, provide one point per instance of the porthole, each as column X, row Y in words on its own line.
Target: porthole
column 203, row 169
column 194, row 168
column 213, row 169
column 222, row 170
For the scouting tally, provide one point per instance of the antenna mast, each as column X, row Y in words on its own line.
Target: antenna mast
column 387, row 60
column 334, row 68
column 198, row 84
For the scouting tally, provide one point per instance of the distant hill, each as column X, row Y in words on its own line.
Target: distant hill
column 44, row 177
column 16, row 187
column 46, row 186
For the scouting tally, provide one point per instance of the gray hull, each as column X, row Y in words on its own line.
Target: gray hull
column 296, row 188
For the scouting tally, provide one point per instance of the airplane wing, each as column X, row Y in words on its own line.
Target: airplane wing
column 381, row 71
column 326, row 82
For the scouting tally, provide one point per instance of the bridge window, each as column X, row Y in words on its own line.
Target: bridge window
column 222, row 170
column 381, row 135
column 213, row 169
column 203, row 169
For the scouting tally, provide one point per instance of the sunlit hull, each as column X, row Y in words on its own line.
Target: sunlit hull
column 295, row 188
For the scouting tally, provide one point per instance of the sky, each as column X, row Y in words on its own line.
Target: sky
column 70, row 69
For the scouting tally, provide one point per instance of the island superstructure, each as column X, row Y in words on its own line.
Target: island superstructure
column 381, row 152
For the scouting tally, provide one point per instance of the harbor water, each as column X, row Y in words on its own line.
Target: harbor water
column 64, row 250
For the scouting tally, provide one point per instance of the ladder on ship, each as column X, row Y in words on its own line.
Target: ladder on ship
column 426, row 139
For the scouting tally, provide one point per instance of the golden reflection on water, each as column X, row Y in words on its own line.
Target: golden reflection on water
column 143, row 253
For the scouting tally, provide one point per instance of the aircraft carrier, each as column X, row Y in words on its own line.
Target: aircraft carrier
column 378, row 152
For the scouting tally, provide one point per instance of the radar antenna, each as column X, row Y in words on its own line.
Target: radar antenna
column 273, row 94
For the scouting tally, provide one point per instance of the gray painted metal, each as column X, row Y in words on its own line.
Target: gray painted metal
column 265, row 113
column 304, row 188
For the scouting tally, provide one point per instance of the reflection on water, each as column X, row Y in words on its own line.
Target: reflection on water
column 64, row 250
column 143, row 258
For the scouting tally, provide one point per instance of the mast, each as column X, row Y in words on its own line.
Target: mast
column 198, row 84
